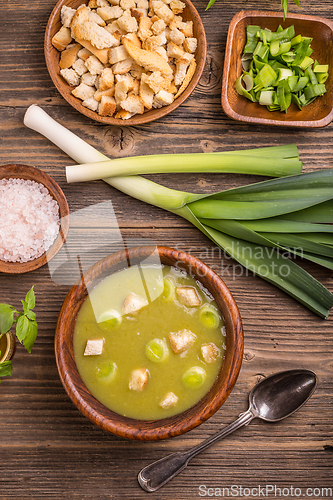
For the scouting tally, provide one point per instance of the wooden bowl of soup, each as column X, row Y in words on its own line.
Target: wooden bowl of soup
column 149, row 343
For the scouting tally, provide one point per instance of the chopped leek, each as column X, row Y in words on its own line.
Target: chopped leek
column 280, row 60
column 235, row 219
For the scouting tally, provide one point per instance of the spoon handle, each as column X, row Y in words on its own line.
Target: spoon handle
column 155, row 475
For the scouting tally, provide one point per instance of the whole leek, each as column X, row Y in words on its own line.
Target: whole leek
column 253, row 224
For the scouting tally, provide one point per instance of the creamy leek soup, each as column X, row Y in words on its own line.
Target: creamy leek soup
column 149, row 342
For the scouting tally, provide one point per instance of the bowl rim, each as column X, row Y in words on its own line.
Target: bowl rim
column 226, row 70
column 143, row 429
column 10, row 347
column 147, row 116
column 27, row 172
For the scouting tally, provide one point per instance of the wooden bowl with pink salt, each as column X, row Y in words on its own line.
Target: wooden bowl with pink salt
column 34, row 218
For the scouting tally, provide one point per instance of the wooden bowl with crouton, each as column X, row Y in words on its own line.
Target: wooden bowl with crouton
column 125, row 62
column 180, row 423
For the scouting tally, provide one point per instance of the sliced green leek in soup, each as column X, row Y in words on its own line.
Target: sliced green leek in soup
column 149, row 341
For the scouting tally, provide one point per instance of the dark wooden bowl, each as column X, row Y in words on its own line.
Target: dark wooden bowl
column 317, row 114
column 178, row 424
column 34, row 174
column 9, row 341
column 52, row 57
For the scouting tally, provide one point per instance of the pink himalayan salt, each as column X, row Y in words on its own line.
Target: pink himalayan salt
column 29, row 220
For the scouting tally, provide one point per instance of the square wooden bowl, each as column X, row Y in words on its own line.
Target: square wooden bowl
column 317, row 114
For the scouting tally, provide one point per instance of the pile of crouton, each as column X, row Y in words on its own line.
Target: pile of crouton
column 125, row 57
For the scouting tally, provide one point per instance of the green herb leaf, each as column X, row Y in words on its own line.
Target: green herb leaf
column 31, row 315
column 6, row 369
column 22, row 328
column 31, row 336
column 6, row 317
column 30, row 298
column 210, row 3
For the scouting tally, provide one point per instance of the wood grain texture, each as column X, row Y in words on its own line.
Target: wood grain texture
column 49, row 450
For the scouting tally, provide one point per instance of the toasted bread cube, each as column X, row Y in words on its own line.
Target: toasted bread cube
column 133, row 104
column 138, row 379
column 177, row 36
column 102, row 3
column 92, row 4
column 169, row 400
column 123, row 115
column 162, row 11
column 84, row 54
column 127, row 4
column 95, row 67
column 80, row 67
column 174, row 51
column 107, row 106
column 177, row 6
column 66, row 15
column 190, row 45
column 151, row 61
column 162, row 52
column 157, row 82
column 83, row 91
column 172, row 89
column 127, row 78
column 177, row 22
column 136, row 88
column 122, row 67
column 101, row 54
column 187, row 29
column 117, row 54
column 114, row 2
column 95, row 18
column 158, row 26
column 188, row 296
column 89, row 79
column 180, row 73
column 144, row 31
column 90, row 103
column 100, row 93
column 163, row 98
column 181, row 341
column 133, row 303
column 136, row 70
column 145, row 92
column 70, row 76
column 108, row 13
column 69, row 56
column 83, row 28
column 106, row 79
column 114, row 29
column 142, row 4
column 94, row 347
column 151, row 43
column 128, row 23
column 121, row 90
column 62, row 38
column 133, row 37
column 209, row 352
column 138, row 13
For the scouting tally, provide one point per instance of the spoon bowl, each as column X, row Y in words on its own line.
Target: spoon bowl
column 279, row 395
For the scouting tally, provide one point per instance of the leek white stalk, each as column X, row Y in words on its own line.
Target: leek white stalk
column 303, row 197
column 180, row 163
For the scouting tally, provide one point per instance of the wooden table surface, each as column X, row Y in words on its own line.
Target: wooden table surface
column 48, row 450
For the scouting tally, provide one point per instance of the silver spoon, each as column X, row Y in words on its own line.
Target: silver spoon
column 272, row 399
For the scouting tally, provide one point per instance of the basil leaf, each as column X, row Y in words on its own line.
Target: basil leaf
column 25, row 306
column 22, row 328
column 6, row 317
column 31, row 336
column 30, row 298
column 31, row 315
column 6, row 369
